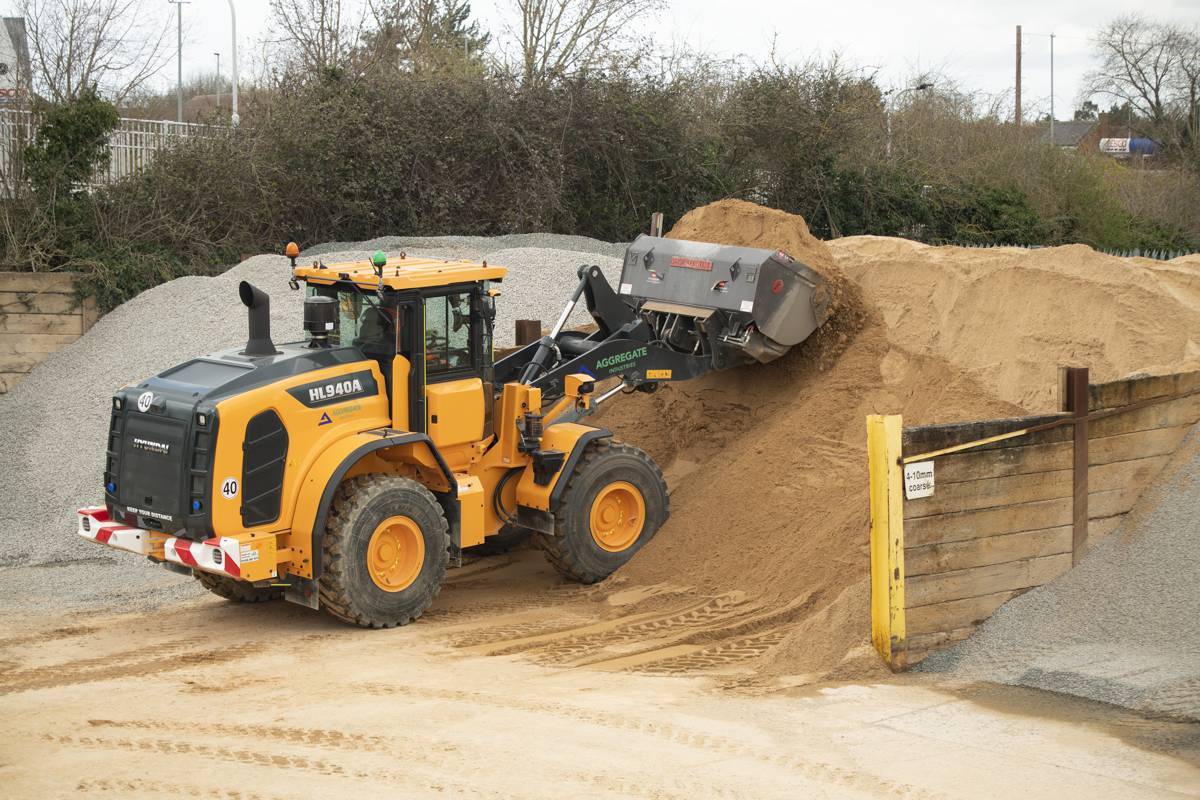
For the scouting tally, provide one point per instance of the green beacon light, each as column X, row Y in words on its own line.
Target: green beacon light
column 379, row 260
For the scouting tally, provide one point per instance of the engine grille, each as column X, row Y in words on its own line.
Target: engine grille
column 150, row 471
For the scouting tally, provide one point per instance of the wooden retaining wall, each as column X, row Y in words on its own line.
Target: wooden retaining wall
column 1002, row 518
column 38, row 316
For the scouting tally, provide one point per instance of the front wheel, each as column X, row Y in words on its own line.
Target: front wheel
column 615, row 501
column 385, row 551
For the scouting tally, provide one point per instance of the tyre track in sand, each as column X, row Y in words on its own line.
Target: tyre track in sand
column 715, row 634
column 711, row 745
column 142, row 662
column 123, row 787
column 421, row 754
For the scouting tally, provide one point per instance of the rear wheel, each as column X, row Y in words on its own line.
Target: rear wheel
column 237, row 591
column 615, row 501
column 385, row 551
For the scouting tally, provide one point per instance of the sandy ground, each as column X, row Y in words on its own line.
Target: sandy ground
column 517, row 685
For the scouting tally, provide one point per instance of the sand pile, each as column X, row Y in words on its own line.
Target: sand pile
column 1010, row 317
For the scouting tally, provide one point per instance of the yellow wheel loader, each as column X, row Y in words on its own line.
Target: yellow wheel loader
column 350, row 469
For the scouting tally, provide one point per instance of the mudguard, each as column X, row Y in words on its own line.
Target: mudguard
column 320, row 485
column 537, row 501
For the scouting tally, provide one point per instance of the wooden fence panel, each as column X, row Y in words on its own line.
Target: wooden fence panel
column 1004, row 517
column 39, row 315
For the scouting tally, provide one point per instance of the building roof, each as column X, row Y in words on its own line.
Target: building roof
column 402, row 272
column 1067, row 133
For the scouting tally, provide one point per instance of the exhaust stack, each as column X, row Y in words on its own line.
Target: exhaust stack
column 259, row 305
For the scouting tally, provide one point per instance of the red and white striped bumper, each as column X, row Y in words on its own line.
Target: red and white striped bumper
column 219, row 555
column 95, row 526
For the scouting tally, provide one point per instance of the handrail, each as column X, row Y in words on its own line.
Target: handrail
column 958, row 448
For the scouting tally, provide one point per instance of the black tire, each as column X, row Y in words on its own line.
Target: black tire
column 237, row 591
column 573, row 550
column 348, row 590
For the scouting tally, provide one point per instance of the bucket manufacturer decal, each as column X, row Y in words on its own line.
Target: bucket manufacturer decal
column 692, row 263
column 619, row 361
column 336, row 390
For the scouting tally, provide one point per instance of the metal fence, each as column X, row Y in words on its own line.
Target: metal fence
column 1157, row 255
column 132, row 145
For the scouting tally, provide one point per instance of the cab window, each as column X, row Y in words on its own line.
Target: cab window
column 361, row 323
column 448, row 333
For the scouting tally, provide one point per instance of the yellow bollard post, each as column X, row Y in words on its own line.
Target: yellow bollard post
column 887, row 537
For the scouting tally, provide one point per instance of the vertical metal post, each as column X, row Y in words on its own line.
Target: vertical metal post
column 178, row 59
column 218, row 55
column 528, row 331
column 1052, row 89
column 1077, row 404
column 887, row 142
column 656, row 224
column 1018, row 91
column 233, row 116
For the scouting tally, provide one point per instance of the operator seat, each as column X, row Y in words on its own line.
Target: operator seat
column 377, row 335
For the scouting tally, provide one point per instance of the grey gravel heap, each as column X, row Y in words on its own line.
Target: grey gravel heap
column 53, row 424
column 1123, row 627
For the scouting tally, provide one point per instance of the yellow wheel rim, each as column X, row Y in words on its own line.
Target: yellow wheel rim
column 395, row 554
column 618, row 516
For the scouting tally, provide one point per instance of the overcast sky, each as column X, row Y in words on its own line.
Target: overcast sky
column 970, row 41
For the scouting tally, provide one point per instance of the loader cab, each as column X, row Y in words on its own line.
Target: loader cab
column 434, row 349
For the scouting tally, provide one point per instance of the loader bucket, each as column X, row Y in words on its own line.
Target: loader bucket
column 744, row 303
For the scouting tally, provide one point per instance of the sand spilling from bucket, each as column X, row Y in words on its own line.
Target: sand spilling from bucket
column 767, row 466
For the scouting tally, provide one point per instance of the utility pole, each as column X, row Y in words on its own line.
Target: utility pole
column 179, row 57
column 218, row 55
column 1052, row 89
column 233, row 116
column 1018, row 77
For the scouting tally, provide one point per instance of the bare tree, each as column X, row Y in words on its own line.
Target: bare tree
column 562, row 37
column 113, row 45
column 1187, row 82
column 320, row 33
column 1154, row 67
column 1138, row 62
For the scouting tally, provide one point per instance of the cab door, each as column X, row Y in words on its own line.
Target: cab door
column 457, row 367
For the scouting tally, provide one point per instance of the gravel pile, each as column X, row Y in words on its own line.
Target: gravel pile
column 474, row 246
column 53, row 427
column 1123, row 627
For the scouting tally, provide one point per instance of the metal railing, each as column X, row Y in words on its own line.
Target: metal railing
column 132, row 145
column 1157, row 255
